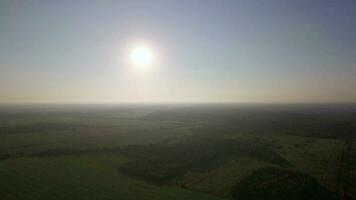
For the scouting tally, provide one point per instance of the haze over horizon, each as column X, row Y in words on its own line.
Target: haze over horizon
column 203, row 51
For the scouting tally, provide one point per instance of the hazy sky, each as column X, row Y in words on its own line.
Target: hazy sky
column 204, row 51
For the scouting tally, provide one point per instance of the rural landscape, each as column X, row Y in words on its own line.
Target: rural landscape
column 177, row 151
column 177, row 100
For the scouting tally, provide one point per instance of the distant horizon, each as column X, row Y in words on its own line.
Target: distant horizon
column 157, row 103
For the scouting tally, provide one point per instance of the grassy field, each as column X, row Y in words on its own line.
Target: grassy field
column 79, row 177
column 175, row 151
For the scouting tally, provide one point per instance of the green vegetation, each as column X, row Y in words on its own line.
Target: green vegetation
column 274, row 183
column 178, row 152
column 161, row 162
column 79, row 177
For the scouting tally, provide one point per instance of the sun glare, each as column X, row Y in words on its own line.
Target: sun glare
column 141, row 56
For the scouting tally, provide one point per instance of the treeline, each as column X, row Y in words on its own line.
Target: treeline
column 161, row 162
column 299, row 121
column 39, row 127
column 282, row 184
column 63, row 152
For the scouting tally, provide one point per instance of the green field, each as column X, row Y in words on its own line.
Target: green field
column 79, row 177
column 177, row 151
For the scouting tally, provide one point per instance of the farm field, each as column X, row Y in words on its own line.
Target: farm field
column 79, row 177
column 177, row 151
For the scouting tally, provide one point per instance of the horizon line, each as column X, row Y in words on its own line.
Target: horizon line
column 177, row 102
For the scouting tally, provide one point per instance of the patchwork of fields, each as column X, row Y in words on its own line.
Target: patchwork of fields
column 177, row 151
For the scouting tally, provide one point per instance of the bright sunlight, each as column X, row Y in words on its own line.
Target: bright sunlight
column 141, row 56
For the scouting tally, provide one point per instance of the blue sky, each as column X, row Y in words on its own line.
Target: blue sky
column 205, row 51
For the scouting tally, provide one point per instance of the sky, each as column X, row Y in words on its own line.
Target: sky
column 203, row 51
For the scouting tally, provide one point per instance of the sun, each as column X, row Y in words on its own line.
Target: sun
column 141, row 56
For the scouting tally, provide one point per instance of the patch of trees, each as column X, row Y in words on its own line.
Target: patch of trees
column 161, row 162
column 282, row 184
